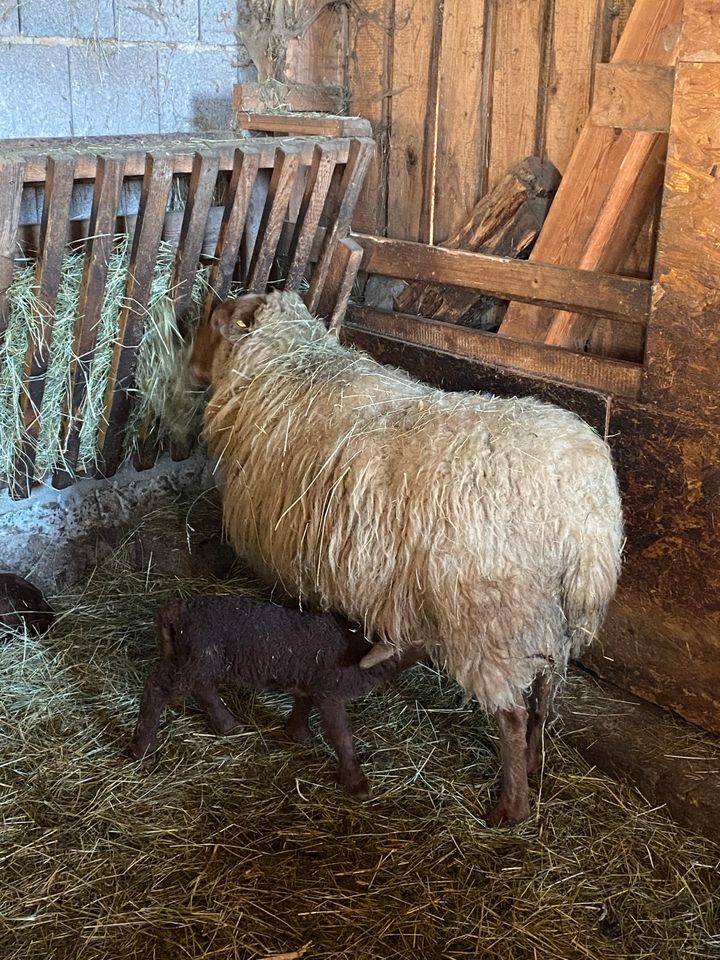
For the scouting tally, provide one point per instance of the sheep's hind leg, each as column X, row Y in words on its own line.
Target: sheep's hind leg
column 297, row 725
column 514, row 803
column 160, row 688
column 336, row 724
column 221, row 719
column 538, row 711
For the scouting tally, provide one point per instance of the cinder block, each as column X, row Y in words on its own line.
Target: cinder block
column 219, row 21
column 196, row 89
column 167, row 20
column 9, row 18
column 67, row 18
column 34, row 91
column 114, row 90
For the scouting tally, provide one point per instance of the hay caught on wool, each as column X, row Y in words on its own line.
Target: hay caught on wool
column 162, row 392
column 244, row 848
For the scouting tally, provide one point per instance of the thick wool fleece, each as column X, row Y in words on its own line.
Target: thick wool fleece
column 488, row 530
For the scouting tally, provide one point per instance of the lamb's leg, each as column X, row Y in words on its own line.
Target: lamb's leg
column 539, row 709
column 514, row 803
column 336, row 724
column 221, row 719
column 160, row 688
column 297, row 725
column 378, row 653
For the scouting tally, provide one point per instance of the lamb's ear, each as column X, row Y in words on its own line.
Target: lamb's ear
column 233, row 318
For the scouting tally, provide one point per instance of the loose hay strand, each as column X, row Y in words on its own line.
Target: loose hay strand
column 244, row 847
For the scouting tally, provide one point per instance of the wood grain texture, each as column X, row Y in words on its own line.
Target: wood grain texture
column 701, row 32
column 622, row 297
column 53, row 235
column 11, row 187
column 106, row 197
column 282, row 182
column 609, row 376
column 319, row 54
column 684, row 334
column 301, row 124
column 413, row 133
column 462, row 147
column 519, row 36
column 197, row 207
column 341, row 276
column 131, row 321
column 632, row 96
column 317, row 184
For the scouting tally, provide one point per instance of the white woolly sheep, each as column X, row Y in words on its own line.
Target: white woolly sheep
column 487, row 530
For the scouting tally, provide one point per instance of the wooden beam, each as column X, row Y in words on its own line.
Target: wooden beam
column 11, row 187
column 317, row 184
column 282, row 182
column 538, row 283
column 293, row 97
column 611, row 376
column 300, row 124
column 633, row 96
column 339, row 283
column 192, row 234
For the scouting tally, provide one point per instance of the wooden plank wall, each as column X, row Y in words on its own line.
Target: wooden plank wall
column 460, row 92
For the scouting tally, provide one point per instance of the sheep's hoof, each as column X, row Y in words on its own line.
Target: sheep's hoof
column 506, row 813
column 228, row 729
column 298, row 732
column 144, row 752
column 356, row 784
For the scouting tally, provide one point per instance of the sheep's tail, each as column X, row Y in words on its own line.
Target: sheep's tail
column 588, row 587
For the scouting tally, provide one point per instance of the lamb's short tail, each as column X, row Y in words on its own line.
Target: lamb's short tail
column 588, row 587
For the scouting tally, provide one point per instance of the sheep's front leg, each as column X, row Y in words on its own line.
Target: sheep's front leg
column 297, row 725
column 221, row 719
column 514, row 803
column 336, row 724
column 160, row 688
column 539, row 709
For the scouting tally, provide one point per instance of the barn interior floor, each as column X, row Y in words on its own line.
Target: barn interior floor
column 244, row 847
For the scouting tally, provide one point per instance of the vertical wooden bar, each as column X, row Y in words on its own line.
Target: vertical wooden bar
column 341, row 215
column 53, row 235
column 200, row 194
column 131, row 322
column 11, row 186
column 413, row 132
column 106, row 197
column 339, row 283
column 462, row 125
column 317, row 185
column 287, row 164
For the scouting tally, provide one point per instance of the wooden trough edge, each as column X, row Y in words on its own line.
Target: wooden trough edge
column 543, row 284
column 615, row 377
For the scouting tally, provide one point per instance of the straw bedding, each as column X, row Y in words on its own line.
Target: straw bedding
column 243, row 847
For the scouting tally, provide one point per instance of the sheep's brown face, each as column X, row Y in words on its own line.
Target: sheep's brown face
column 228, row 322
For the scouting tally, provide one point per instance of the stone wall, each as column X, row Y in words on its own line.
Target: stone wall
column 112, row 67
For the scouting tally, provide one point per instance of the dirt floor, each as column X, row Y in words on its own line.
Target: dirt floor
column 243, row 847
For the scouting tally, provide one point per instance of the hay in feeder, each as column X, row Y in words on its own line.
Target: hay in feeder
column 243, row 847
column 162, row 393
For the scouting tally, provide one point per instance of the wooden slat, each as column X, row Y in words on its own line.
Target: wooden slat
column 281, row 184
column 516, row 80
column 199, row 199
column 131, row 322
column 11, row 186
column 413, row 141
column 684, row 336
column 462, row 147
column 316, row 189
column 611, row 376
column 341, row 277
column 53, row 234
column 106, row 197
column 609, row 296
column 294, row 97
column 300, row 124
column 567, row 90
column 340, row 214
column 632, row 96
column 593, row 175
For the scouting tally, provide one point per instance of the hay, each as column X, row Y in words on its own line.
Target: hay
column 244, row 847
column 162, row 392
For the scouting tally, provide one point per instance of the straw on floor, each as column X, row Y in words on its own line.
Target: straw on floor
column 244, row 847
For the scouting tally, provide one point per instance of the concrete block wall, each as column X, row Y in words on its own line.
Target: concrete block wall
column 106, row 67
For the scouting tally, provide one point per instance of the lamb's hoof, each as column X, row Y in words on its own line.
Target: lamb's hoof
column 299, row 733
column 144, row 752
column 356, row 784
column 228, row 729
column 507, row 814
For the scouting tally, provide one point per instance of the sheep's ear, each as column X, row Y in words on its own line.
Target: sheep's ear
column 233, row 318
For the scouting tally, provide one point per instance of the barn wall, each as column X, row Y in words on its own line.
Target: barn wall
column 95, row 67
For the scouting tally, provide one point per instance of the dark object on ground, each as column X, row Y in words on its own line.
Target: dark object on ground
column 212, row 641
column 22, row 606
